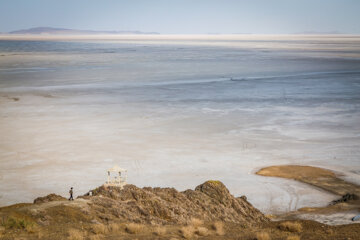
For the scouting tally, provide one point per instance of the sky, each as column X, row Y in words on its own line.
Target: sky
column 185, row 16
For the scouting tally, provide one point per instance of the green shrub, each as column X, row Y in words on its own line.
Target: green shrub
column 17, row 223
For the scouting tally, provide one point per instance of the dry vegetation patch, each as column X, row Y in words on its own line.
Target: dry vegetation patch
column 19, row 223
column 134, row 228
column 293, row 237
column 291, row 226
column 262, row 236
column 187, row 232
column 96, row 237
column 218, row 227
column 114, row 227
column 202, row 231
column 270, row 216
column 74, row 234
column 159, row 230
column 196, row 222
column 99, row 228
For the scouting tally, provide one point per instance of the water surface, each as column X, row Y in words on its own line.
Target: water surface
column 177, row 112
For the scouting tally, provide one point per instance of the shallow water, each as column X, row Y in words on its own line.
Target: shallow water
column 178, row 112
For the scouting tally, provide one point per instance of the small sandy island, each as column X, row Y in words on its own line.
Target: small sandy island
column 335, row 213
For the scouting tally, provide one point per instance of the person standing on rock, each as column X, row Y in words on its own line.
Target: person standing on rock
column 71, row 194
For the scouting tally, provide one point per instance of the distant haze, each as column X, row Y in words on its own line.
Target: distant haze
column 50, row 30
column 185, row 16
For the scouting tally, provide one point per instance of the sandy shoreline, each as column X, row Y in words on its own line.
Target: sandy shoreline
column 327, row 180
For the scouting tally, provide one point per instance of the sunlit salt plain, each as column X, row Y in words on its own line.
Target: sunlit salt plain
column 176, row 111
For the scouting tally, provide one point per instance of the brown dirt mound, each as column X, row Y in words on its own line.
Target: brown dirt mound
column 49, row 198
column 209, row 201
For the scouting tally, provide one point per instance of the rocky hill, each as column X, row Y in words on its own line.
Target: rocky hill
column 209, row 201
column 208, row 212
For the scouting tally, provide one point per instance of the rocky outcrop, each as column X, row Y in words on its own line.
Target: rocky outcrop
column 49, row 198
column 209, row 201
column 345, row 198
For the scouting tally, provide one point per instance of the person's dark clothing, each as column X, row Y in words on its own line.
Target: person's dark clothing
column 71, row 195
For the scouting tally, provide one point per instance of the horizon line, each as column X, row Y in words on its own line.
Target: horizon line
column 140, row 32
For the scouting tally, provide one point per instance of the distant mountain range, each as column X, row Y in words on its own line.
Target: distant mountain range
column 319, row 33
column 67, row 31
column 50, row 30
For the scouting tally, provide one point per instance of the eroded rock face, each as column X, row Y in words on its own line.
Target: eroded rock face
column 49, row 198
column 209, row 201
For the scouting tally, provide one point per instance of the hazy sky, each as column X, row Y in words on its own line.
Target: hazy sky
column 184, row 16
